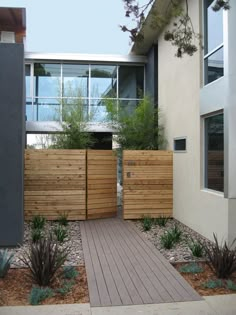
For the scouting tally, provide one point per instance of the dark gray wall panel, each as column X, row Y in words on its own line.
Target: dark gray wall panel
column 12, row 137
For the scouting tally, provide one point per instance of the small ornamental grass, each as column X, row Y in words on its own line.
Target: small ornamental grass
column 44, row 259
column 167, row 240
column 66, row 287
column 176, row 233
column 38, row 222
column 191, row 268
column 36, row 235
column 5, row 262
column 147, row 223
column 221, row 259
column 196, row 248
column 37, row 295
column 63, row 219
column 213, row 284
column 60, row 233
column 161, row 220
column 231, row 285
column 69, row 272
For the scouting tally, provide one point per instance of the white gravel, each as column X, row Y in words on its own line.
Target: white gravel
column 180, row 252
column 73, row 241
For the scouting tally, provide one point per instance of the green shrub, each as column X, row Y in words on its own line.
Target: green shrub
column 37, row 295
column 221, row 259
column 231, row 285
column 63, row 219
column 44, row 259
column 60, row 233
column 147, row 223
column 38, row 222
column 213, row 284
column 69, row 272
column 176, row 233
column 66, row 288
column 196, row 248
column 161, row 220
column 191, row 268
column 167, row 240
column 36, row 235
column 5, row 262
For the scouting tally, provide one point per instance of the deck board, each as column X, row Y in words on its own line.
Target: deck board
column 124, row 268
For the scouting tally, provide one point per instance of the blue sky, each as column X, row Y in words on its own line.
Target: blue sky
column 75, row 26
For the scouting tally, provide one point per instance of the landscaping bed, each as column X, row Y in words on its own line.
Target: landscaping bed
column 16, row 286
column 205, row 282
column 48, row 268
column 180, row 252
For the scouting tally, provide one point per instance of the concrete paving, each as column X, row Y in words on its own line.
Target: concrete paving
column 211, row 305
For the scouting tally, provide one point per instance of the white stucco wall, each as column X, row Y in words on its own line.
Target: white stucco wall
column 179, row 101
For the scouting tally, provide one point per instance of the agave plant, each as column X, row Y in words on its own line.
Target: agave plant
column 44, row 259
column 221, row 258
column 5, row 262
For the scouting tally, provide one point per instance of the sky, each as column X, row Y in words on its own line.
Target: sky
column 74, row 26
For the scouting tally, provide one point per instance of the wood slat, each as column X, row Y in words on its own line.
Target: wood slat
column 147, row 183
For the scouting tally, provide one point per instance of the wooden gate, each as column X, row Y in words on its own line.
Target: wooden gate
column 147, row 184
column 55, row 183
column 101, row 184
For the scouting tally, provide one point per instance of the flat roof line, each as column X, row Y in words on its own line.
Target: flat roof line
column 93, row 58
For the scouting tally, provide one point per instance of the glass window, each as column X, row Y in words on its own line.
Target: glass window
column 213, row 27
column 27, row 80
column 214, row 152
column 75, row 106
column 46, row 109
column 75, row 80
column 214, row 66
column 47, row 81
column 29, row 109
column 180, row 144
column 131, row 82
column 103, row 81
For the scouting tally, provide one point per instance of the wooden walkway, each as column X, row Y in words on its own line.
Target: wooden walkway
column 123, row 268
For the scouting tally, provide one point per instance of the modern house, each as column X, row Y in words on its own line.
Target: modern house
column 196, row 96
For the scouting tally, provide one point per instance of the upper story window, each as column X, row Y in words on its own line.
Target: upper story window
column 213, row 43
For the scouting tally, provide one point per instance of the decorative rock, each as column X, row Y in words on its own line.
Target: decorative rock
column 172, row 260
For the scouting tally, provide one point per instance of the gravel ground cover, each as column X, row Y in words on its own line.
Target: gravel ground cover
column 181, row 251
column 73, row 240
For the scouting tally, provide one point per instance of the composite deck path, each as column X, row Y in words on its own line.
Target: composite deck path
column 124, row 268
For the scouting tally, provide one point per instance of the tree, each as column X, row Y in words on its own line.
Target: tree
column 182, row 34
column 139, row 130
column 75, row 134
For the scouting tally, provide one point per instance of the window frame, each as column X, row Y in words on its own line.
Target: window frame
column 174, row 142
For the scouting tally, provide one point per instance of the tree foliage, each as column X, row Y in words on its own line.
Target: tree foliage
column 139, row 130
column 182, row 35
column 75, row 134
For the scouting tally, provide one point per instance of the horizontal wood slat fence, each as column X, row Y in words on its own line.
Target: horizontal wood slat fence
column 147, row 183
column 79, row 183
column 101, row 184
column 55, row 183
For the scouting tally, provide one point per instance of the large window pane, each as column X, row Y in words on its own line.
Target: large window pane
column 103, row 81
column 46, row 109
column 214, row 152
column 76, row 107
column 213, row 27
column 47, row 82
column 98, row 110
column 127, row 107
column 131, row 82
column 75, row 80
column 27, row 80
column 214, row 66
column 29, row 109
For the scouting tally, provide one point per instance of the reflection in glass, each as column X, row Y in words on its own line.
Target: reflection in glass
column 98, row 110
column 46, row 109
column 131, row 82
column 27, row 80
column 214, row 27
column 47, row 80
column 127, row 107
column 103, row 81
column 214, row 137
column 76, row 107
column 214, row 66
column 75, row 80
column 29, row 109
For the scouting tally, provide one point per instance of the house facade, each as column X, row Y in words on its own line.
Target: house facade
column 196, row 96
